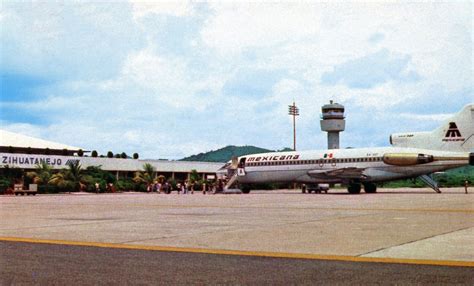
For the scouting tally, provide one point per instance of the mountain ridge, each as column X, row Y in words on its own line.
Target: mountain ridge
column 226, row 153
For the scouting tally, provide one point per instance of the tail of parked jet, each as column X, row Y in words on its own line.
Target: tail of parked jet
column 455, row 134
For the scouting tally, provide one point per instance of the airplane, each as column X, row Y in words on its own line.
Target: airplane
column 412, row 155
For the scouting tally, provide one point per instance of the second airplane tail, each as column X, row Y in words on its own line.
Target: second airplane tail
column 455, row 134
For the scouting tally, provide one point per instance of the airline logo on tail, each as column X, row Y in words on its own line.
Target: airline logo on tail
column 453, row 134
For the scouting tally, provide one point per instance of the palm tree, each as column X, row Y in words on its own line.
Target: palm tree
column 60, row 179
column 41, row 175
column 76, row 175
column 71, row 178
column 147, row 176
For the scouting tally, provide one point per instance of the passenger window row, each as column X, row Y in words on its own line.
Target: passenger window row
column 314, row 162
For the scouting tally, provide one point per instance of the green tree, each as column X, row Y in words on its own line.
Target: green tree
column 123, row 155
column 194, row 176
column 135, row 156
column 71, row 178
column 161, row 179
column 95, row 174
column 41, row 175
column 110, row 154
column 94, row 154
column 60, row 180
column 147, row 176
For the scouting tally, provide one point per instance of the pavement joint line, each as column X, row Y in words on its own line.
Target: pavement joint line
column 468, row 211
column 414, row 241
column 317, row 208
column 244, row 253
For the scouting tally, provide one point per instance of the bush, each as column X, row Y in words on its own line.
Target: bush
column 173, row 183
column 123, row 155
column 135, row 156
column 96, row 173
column 94, row 154
column 49, row 189
column 4, row 184
column 140, row 187
column 110, row 154
column 125, row 185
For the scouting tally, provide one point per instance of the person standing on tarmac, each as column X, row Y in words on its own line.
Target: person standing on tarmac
column 466, row 185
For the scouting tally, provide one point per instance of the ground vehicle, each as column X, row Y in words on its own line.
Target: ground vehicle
column 317, row 188
column 19, row 190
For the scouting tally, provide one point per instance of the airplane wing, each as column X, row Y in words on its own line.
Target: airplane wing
column 342, row 173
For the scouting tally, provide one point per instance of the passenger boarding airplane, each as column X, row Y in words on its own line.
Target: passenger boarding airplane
column 414, row 154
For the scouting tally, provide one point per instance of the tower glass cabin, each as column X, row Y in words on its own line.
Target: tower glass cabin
column 333, row 122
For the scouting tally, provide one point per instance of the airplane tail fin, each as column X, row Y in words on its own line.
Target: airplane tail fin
column 455, row 134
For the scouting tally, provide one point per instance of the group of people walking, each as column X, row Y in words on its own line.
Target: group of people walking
column 187, row 187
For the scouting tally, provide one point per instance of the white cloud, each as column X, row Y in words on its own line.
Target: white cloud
column 151, row 99
column 234, row 27
column 142, row 8
column 426, row 117
column 66, row 40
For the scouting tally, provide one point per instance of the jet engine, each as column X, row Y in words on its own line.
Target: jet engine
column 406, row 159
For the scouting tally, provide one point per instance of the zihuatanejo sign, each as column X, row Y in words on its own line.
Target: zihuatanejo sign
column 28, row 161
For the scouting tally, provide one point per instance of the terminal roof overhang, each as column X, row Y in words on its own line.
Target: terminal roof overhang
column 10, row 141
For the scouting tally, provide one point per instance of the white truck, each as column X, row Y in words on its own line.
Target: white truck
column 19, row 190
column 316, row 188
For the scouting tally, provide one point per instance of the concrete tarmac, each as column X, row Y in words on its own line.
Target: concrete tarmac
column 398, row 226
column 44, row 264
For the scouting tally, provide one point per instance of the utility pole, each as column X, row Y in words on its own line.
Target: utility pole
column 294, row 111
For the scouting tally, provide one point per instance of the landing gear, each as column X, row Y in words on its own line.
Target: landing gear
column 245, row 189
column 370, row 188
column 353, row 188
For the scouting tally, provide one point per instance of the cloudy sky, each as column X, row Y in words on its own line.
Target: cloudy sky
column 169, row 80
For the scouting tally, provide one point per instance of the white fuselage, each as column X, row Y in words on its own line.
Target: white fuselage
column 341, row 165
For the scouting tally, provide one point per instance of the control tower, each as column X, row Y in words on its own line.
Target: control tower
column 333, row 122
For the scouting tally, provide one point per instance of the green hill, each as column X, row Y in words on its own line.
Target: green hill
column 225, row 154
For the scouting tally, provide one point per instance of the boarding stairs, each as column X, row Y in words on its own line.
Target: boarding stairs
column 430, row 182
column 231, row 182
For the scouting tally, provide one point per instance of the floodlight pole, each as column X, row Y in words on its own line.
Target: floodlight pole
column 294, row 111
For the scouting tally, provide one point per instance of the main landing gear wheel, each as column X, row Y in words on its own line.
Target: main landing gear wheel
column 245, row 189
column 353, row 188
column 370, row 188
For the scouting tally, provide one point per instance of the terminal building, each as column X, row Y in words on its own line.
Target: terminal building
column 25, row 152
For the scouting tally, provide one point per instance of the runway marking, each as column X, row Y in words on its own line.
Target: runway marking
column 313, row 208
column 245, row 253
column 289, row 207
column 318, row 208
column 466, row 211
